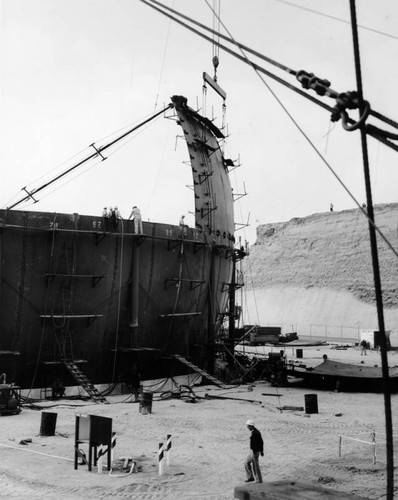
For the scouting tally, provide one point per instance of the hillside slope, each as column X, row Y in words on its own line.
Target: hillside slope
column 318, row 270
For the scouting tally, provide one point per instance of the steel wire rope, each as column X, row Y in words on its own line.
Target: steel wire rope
column 163, row 61
column 65, row 162
column 46, row 299
column 255, row 299
column 243, row 291
column 384, row 118
column 63, row 320
column 214, row 33
column 158, row 172
column 169, row 333
column 98, row 152
column 118, row 303
column 373, row 131
column 300, row 129
column 335, row 18
column 133, row 124
column 97, row 159
column 178, row 287
column 376, row 114
column 240, row 205
column 194, row 301
column 45, row 174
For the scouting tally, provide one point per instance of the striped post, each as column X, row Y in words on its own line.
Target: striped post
column 160, row 455
column 102, row 449
column 113, row 444
column 168, row 447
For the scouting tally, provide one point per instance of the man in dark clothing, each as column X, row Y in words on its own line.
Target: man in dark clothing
column 135, row 381
column 58, row 390
column 252, row 465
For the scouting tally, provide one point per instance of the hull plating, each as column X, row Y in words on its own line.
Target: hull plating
column 74, row 288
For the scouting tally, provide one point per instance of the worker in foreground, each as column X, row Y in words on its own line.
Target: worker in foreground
column 252, row 464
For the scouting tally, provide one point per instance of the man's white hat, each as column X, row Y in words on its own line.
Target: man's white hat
column 250, row 422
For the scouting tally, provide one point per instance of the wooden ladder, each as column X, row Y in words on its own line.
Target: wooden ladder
column 82, row 380
column 202, row 372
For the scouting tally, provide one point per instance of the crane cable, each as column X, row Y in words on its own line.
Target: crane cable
column 97, row 153
column 364, row 211
column 216, row 36
column 321, row 86
column 259, row 70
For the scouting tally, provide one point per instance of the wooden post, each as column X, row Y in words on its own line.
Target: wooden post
column 374, row 446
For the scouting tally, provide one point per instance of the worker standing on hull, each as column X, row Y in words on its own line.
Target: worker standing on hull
column 136, row 217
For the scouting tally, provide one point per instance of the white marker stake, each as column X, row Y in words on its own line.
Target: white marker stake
column 160, row 454
column 99, row 465
column 100, row 459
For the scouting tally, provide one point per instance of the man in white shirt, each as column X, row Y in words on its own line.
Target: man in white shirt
column 136, row 217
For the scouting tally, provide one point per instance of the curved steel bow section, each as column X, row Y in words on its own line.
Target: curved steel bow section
column 213, row 194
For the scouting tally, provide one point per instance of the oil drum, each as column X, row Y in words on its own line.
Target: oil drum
column 48, row 423
column 311, row 403
column 145, row 400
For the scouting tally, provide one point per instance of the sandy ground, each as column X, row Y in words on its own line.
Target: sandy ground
column 209, row 442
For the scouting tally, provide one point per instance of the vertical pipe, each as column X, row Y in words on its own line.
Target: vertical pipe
column 211, row 327
column 135, row 281
column 376, row 269
column 231, row 314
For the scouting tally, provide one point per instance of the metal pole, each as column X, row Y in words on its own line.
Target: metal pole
column 376, row 269
column 135, row 281
column 231, row 314
column 211, row 327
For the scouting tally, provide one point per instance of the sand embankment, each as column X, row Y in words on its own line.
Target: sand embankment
column 317, row 270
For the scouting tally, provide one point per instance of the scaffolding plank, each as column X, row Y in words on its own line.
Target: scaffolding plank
column 178, row 315
column 71, row 316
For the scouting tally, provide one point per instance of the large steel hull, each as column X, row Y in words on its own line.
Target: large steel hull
column 75, row 287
